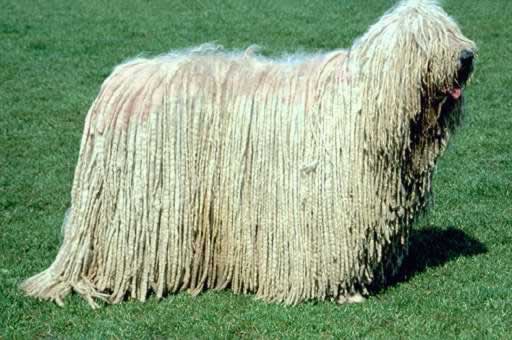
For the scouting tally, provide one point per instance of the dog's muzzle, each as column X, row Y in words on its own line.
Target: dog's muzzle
column 465, row 70
column 466, row 66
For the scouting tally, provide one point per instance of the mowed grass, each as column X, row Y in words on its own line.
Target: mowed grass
column 54, row 55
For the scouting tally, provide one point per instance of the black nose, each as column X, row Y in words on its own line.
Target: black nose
column 466, row 57
column 466, row 66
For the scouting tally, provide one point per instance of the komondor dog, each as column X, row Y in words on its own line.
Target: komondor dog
column 292, row 179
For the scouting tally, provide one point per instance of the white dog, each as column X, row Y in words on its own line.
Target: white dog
column 294, row 180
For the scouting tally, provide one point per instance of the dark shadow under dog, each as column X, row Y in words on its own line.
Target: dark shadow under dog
column 434, row 246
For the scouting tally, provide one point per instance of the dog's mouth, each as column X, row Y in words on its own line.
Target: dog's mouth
column 465, row 69
column 455, row 92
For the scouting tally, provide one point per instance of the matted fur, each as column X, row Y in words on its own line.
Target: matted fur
column 291, row 179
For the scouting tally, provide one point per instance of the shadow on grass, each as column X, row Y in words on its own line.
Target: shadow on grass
column 433, row 247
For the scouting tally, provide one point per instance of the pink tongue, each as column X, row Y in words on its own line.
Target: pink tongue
column 455, row 92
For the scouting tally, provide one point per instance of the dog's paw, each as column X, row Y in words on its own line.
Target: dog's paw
column 352, row 298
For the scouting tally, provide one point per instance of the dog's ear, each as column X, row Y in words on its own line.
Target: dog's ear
column 389, row 66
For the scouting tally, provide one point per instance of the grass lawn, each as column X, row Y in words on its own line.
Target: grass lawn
column 54, row 55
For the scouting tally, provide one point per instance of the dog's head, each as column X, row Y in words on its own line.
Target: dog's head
column 449, row 61
column 412, row 66
column 415, row 47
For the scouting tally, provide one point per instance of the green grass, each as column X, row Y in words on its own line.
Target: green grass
column 54, row 55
